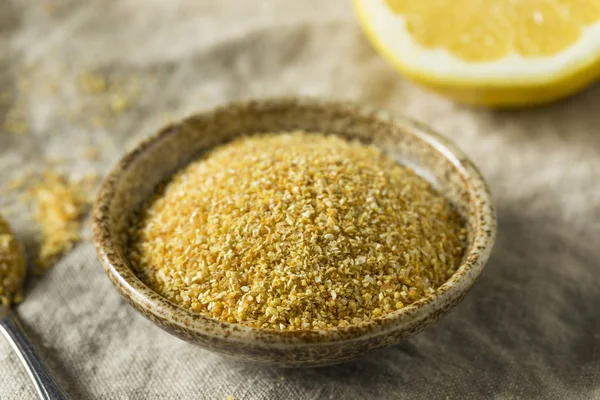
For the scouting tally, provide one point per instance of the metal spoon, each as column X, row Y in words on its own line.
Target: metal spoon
column 46, row 386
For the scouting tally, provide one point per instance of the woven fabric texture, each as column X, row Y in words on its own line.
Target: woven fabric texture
column 530, row 328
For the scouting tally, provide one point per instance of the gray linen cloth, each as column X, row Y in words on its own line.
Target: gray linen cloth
column 530, row 328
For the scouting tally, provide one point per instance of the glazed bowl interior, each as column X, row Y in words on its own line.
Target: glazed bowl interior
column 139, row 172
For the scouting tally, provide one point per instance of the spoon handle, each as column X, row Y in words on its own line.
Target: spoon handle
column 46, row 386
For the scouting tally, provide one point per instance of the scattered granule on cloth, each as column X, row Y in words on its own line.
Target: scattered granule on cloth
column 12, row 265
column 59, row 206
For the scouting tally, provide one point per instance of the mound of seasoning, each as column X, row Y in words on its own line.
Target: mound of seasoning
column 12, row 266
column 296, row 231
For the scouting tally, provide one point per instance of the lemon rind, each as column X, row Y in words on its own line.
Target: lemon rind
column 386, row 31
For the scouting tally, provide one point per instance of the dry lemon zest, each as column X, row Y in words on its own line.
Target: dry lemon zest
column 296, row 231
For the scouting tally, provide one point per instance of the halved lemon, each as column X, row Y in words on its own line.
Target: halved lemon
column 503, row 53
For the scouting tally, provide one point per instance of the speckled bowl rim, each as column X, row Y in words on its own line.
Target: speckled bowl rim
column 448, row 293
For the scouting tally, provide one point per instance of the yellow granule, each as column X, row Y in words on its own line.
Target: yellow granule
column 93, row 83
column 12, row 266
column 296, row 232
column 91, row 153
column 14, row 120
column 109, row 97
column 60, row 205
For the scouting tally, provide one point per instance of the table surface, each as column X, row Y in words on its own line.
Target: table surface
column 530, row 328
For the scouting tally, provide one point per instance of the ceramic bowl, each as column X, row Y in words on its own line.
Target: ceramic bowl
column 411, row 143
